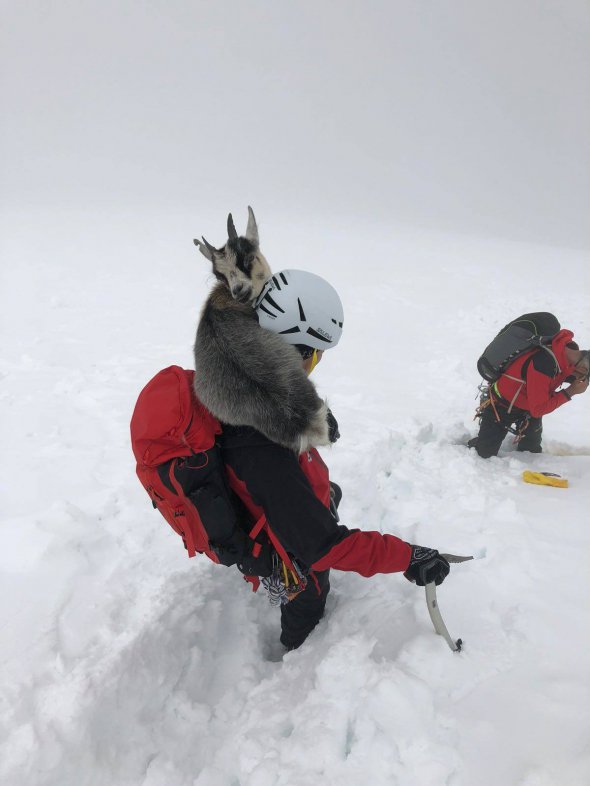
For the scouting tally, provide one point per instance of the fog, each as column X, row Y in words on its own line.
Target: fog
column 417, row 140
column 465, row 116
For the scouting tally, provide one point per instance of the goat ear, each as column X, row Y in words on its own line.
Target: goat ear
column 252, row 229
column 206, row 249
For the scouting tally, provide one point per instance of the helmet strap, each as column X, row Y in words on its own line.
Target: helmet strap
column 314, row 361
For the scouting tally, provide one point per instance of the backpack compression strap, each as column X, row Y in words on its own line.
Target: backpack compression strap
column 288, row 568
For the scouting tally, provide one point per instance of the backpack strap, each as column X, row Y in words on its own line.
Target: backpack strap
column 518, row 389
column 257, row 529
column 287, row 563
column 254, row 532
column 554, row 356
column 188, row 536
column 527, row 362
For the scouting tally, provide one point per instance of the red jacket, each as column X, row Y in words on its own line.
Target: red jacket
column 292, row 493
column 537, row 394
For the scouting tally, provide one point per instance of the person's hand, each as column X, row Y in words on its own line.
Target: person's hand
column 426, row 565
column 333, row 432
column 578, row 386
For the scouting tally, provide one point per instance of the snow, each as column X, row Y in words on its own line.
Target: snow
column 125, row 663
column 431, row 160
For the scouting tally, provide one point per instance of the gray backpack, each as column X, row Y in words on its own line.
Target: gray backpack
column 517, row 337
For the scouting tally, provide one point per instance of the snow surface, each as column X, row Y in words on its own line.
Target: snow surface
column 125, row 663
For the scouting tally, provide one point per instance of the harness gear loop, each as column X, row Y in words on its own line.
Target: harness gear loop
column 284, row 583
column 521, row 427
column 485, row 400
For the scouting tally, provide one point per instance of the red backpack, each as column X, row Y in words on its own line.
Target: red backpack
column 180, row 466
column 171, row 429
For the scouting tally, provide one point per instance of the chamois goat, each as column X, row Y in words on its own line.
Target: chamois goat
column 246, row 375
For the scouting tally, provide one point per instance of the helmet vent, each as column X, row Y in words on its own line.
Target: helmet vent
column 273, row 303
column 301, row 311
column 262, row 307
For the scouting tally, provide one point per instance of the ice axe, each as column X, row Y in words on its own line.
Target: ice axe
column 434, row 611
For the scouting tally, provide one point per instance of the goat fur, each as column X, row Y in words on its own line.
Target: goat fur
column 247, row 375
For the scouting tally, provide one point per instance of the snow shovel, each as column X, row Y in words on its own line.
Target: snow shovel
column 434, row 611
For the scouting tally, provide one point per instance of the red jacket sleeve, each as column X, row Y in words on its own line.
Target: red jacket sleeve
column 367, row 553
column 541, row 399
column 271, row 478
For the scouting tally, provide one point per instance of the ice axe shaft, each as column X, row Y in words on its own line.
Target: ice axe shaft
column 434, row 611
column 437, row 620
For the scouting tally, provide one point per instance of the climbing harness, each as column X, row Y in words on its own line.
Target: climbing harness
column 489, row 397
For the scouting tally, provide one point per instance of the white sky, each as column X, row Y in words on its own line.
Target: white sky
column 470, row 116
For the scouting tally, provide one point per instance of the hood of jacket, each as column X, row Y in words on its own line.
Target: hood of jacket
column 558, row 345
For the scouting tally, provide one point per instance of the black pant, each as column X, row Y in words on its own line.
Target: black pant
column 302, row 614
column 492, row 431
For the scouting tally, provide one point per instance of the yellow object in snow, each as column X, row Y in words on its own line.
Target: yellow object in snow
column 545, row 479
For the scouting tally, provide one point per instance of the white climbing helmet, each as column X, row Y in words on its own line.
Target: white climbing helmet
column 302, row 308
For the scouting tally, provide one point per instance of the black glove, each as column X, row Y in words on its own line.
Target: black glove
column 427, row 565
column 333, row 432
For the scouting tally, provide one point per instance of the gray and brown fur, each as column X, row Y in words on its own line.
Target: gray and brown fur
column 246, row 375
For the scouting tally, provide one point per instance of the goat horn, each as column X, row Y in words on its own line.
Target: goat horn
column 231, row 230
column 252, row 228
